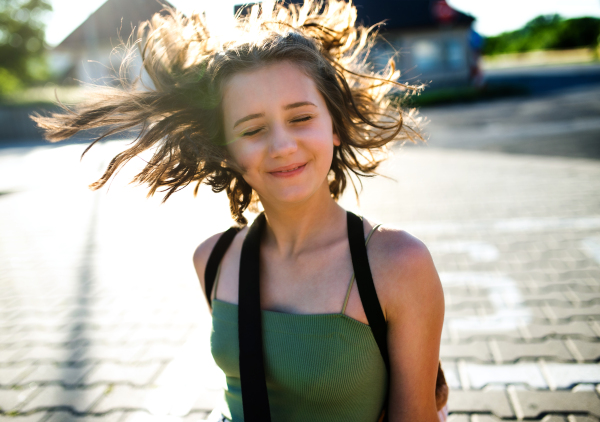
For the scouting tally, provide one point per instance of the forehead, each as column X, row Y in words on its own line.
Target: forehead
column 272, row 85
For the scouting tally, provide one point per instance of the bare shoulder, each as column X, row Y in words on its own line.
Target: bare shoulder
column 403, row 271
column 397, row 248
column 202, row 253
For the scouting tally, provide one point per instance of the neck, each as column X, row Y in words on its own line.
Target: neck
column 294, row 228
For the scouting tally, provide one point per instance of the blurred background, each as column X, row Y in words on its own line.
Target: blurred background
column 101, row 316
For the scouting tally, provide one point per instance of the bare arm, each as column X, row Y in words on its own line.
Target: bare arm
column 415, row 313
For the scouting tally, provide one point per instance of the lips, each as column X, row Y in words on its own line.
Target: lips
column 288, row 170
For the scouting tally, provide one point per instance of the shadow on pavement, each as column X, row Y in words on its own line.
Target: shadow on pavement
column 77, row 339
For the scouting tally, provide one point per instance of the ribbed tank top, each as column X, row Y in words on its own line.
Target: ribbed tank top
column 318, row 367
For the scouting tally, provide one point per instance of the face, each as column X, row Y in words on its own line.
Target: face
column 279, row 132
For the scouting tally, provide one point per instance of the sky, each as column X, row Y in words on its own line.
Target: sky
column 493, row 16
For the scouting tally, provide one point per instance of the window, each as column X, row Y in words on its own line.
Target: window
column 427, row 55
column 455, row 54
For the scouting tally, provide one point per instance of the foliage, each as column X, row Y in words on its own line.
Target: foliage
column 549, row 32
column 22, row 44
column 9, row 82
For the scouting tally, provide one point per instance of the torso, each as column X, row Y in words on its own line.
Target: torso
column 406, row 283
column 315, row 354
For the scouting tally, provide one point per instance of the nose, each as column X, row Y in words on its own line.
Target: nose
column 282, row 143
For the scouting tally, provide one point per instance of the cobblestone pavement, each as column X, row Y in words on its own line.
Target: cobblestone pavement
column 101, row 316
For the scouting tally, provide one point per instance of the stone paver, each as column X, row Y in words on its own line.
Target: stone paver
column 7, row 354
column 481, row 375
column 512, row 352
column 487, row 400
column 564, row 375
column 142, row 374
column 148, row 417
column 57, row 397
column 49, row 373
column 12, row 374
column 12, row 399
column 476, row 350
column 531, row 404
column 458, row 418
column 124, row 397
column 588, row 350
column 580, row 418
column 492, row 418
column 116, row 353
column 69, row 417
column 48, row 354
column 34, row 417
column 579, row 329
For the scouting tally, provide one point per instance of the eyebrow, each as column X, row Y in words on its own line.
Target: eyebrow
column 248, row 117
column 258, row 115
column 296, row 105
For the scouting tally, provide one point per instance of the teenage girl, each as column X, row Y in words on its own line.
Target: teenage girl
column 280, row 113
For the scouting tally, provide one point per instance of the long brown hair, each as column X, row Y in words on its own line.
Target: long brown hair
column 179, row 118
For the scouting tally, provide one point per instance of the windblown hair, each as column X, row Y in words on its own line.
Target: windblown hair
column 179, row 119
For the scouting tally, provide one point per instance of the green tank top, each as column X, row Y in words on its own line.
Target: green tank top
column 318, row 367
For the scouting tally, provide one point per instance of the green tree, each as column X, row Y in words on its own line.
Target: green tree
column 22, row 44
column 546, row 33
column 581, row 32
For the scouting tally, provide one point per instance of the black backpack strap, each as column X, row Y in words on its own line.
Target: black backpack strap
column 366, row 289
column 212, row 265
column 255, row 399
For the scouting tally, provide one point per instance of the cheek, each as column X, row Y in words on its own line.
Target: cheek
column 245, row 155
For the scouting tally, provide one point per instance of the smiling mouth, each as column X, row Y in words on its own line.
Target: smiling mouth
column 289, row 171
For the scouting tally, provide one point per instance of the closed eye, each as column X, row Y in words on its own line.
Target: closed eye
column 251, row 132
column 298, row 120
column 302, row 119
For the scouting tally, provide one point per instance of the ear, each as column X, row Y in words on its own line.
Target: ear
column 336, row 140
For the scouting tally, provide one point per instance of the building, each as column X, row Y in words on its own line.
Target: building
column 431, row 41
column 85, row 55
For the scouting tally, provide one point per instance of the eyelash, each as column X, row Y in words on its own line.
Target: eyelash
column 250, row 133
column 299, row 120
column 302, row 119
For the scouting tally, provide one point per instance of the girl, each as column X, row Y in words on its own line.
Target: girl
column 308, row 322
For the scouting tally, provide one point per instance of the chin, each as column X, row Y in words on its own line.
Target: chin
column 291, row 196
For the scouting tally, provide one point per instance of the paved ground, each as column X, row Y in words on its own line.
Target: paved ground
column 542, row 79
column 564, row 124
column 101, row 317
